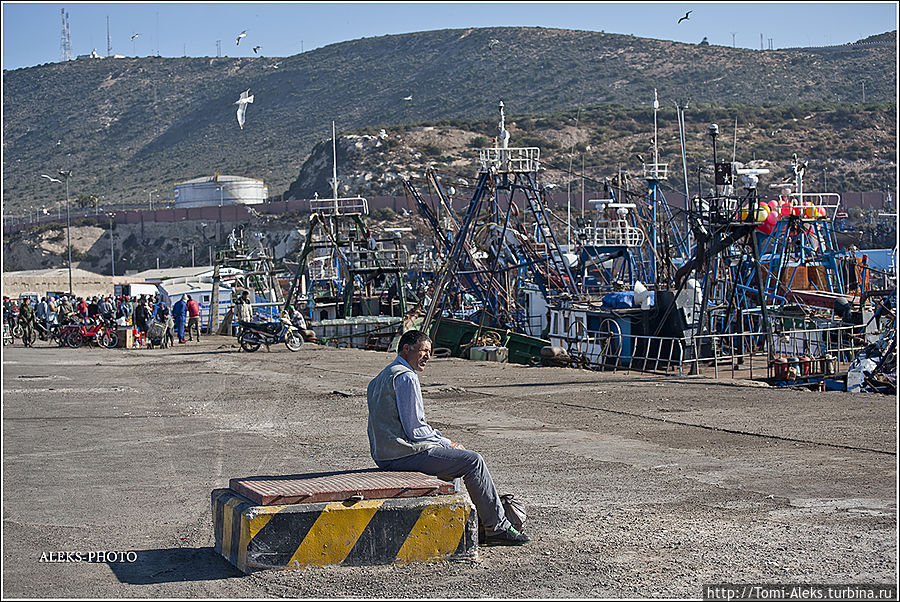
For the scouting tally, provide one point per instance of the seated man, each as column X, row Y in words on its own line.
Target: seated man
column 400, row 439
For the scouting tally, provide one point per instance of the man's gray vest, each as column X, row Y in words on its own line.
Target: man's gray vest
column 387, row 439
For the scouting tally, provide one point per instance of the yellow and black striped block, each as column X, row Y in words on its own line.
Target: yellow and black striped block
column 379, row 531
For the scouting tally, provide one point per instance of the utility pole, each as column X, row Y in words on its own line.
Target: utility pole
column 66, row 175
column 864, row 92
column 112, row 245
column 761, row 47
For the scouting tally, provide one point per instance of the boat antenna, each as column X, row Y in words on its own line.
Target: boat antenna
column 655, row 130
column 679, row 111
column 734, row 148
column 334, row 180
column 504, row 135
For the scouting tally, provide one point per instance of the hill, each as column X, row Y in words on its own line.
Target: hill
column 129, row 126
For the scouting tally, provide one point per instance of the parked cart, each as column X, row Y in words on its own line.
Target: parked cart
column 160, row 334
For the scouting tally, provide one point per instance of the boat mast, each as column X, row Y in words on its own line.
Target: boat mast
column 654, row 183
column 334, row 180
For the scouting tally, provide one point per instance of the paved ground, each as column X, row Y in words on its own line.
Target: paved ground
column 636, row 486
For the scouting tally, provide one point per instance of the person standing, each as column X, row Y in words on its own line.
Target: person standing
column 193, row 311
column 82, row 308
column 401, row 440
column 93, row 308
column 105, row 309
column 66, row 311
column 40, row 310
column 26, row 319
column 140, row 314
column 179, row 314
column 244, row 311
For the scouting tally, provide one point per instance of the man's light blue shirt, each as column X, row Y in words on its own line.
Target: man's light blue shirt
column 412, row 410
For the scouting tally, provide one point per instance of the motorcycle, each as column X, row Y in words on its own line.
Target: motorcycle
column 46, row 332
column 7, row 334
column 93, row 330
column 255, row 334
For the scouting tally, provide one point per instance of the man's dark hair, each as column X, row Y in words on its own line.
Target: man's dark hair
column 412, row 338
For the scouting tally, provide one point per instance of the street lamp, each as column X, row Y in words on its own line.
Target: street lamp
column 112, row 244
column 67, row 175
column 150, row 197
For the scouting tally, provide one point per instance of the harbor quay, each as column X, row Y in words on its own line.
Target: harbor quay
column 636, row 485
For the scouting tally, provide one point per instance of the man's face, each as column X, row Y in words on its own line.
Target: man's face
column 417, row 356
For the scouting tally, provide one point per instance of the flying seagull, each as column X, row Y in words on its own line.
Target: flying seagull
column 242, row 103
column 408, row 97
column 135, row 35
column 256, row 49
column 686, row 16
column 493, row 43
column 243, row 34
column 43, row 175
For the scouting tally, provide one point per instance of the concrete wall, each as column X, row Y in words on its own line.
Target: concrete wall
column 84, row 283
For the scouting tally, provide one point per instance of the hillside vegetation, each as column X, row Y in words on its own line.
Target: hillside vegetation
column 846, row 148
column 129, row 126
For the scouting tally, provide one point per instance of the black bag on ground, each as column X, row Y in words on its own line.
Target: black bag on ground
column 515, row 511
column 515, row 514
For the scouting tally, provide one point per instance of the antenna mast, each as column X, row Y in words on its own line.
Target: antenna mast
column 65, row 41
column 108, row 39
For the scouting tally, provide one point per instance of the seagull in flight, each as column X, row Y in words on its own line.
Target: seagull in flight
column 256, row 49
column 43, row 175
column 408, row 97
column 493, row 43
column 242, row 103
column 243, row 34
column 686, row 16
column 135, row 35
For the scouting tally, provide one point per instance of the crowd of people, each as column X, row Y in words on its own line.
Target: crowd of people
column 122, row 310
column 137, row 312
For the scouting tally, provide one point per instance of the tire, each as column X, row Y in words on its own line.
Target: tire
column 293, row 341
column 18, row 331
column 109, row 339
column 75, row 339
column 249, row 341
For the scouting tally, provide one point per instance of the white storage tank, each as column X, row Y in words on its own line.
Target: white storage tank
column 220, row 190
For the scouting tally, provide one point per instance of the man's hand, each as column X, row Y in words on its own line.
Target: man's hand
column 456, row 445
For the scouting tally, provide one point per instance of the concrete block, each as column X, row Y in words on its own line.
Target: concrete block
column 365, row 532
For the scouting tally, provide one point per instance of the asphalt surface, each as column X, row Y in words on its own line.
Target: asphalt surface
column 635, row 486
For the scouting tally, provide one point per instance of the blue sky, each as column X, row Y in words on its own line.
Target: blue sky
column 31, row 30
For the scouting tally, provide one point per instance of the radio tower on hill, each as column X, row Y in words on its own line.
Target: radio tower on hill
column 65, row 41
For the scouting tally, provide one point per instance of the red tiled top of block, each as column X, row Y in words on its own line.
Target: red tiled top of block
column 337, row 486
